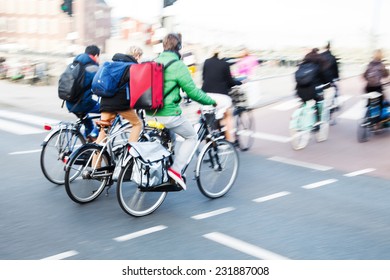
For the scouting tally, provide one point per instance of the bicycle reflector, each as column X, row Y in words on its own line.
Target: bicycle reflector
column 47, row 127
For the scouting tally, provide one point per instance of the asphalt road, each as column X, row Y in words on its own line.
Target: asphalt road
column 326, row 202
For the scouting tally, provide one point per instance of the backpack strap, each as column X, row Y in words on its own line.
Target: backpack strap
column 165, row 67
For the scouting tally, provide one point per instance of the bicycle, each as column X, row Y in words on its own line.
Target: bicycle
column 91, row 167
column 215, row 171
column 244, row 120
column 59, row 144
column 376, row 116
column 304, row 121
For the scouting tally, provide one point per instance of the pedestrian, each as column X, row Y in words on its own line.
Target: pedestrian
column 178, row 77
column 87, row 104
column 217, row 82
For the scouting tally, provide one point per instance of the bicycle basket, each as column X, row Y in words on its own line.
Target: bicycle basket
column 239, row 97
column 210, row 118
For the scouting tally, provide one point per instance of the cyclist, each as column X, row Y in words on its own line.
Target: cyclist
column 119, row 104
column 246, row 65
column 217, row 82
column 87, row 104
column 332, row 69
column 177, row 76
column 308, row 92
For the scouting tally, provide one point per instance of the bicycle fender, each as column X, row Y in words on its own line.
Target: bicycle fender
column 50, row 134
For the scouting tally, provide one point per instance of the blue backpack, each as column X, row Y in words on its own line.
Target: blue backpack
column 109, row 79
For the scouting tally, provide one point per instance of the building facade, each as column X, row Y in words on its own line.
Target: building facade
column 41, row 26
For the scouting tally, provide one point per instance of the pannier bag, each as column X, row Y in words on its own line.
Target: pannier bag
column 147, row 85
column 151, row 162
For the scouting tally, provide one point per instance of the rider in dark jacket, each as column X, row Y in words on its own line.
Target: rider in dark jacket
column 87, row 104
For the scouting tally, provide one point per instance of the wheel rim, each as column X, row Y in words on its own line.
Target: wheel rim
column 216, row 180
column 133, row 201
column 55, row 153
column 81, row 184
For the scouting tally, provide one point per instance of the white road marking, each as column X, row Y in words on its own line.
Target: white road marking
column 319, row 184
column 212, row 213
column 20, row 129
column 40, row 121
column 356, row 112
column 359, row 172
column 301, row 163
column 271, row 196
column 62, row 256
column 287, row 105
column 139, row 233
column 25, row 152
column 243, row 246
column 271, row 137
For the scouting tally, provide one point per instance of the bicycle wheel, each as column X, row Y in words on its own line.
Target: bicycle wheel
column 131, row 199
column 216, row 168
column 56, row 151
column 299, row 138
column 83, row 182
column 244, row 129
column 323, row 132
column 363, row 130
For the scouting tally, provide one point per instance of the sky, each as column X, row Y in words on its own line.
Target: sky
column 272, row 23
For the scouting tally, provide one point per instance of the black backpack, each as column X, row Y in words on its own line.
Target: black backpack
column 306, row 73
column 71, row 84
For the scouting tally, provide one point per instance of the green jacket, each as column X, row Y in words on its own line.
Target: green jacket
column 178, row 74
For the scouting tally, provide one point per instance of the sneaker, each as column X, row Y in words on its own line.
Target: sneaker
column 177, row 177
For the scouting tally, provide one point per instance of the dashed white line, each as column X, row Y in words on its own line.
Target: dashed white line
column 25, row 152
column 319, row 184
column 213, row 213
column 62, row 256
column 139, row 233
column 359, row 172
column 271, row 196
column 243, row 246
column 271, row 137
column 287, row 105
column 301, row 163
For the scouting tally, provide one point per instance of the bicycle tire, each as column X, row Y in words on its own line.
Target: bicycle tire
column 80, row 185
column 323, row 132
column 131, row 199
column 217, row 168
column 245, row 129
column 56, row 151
